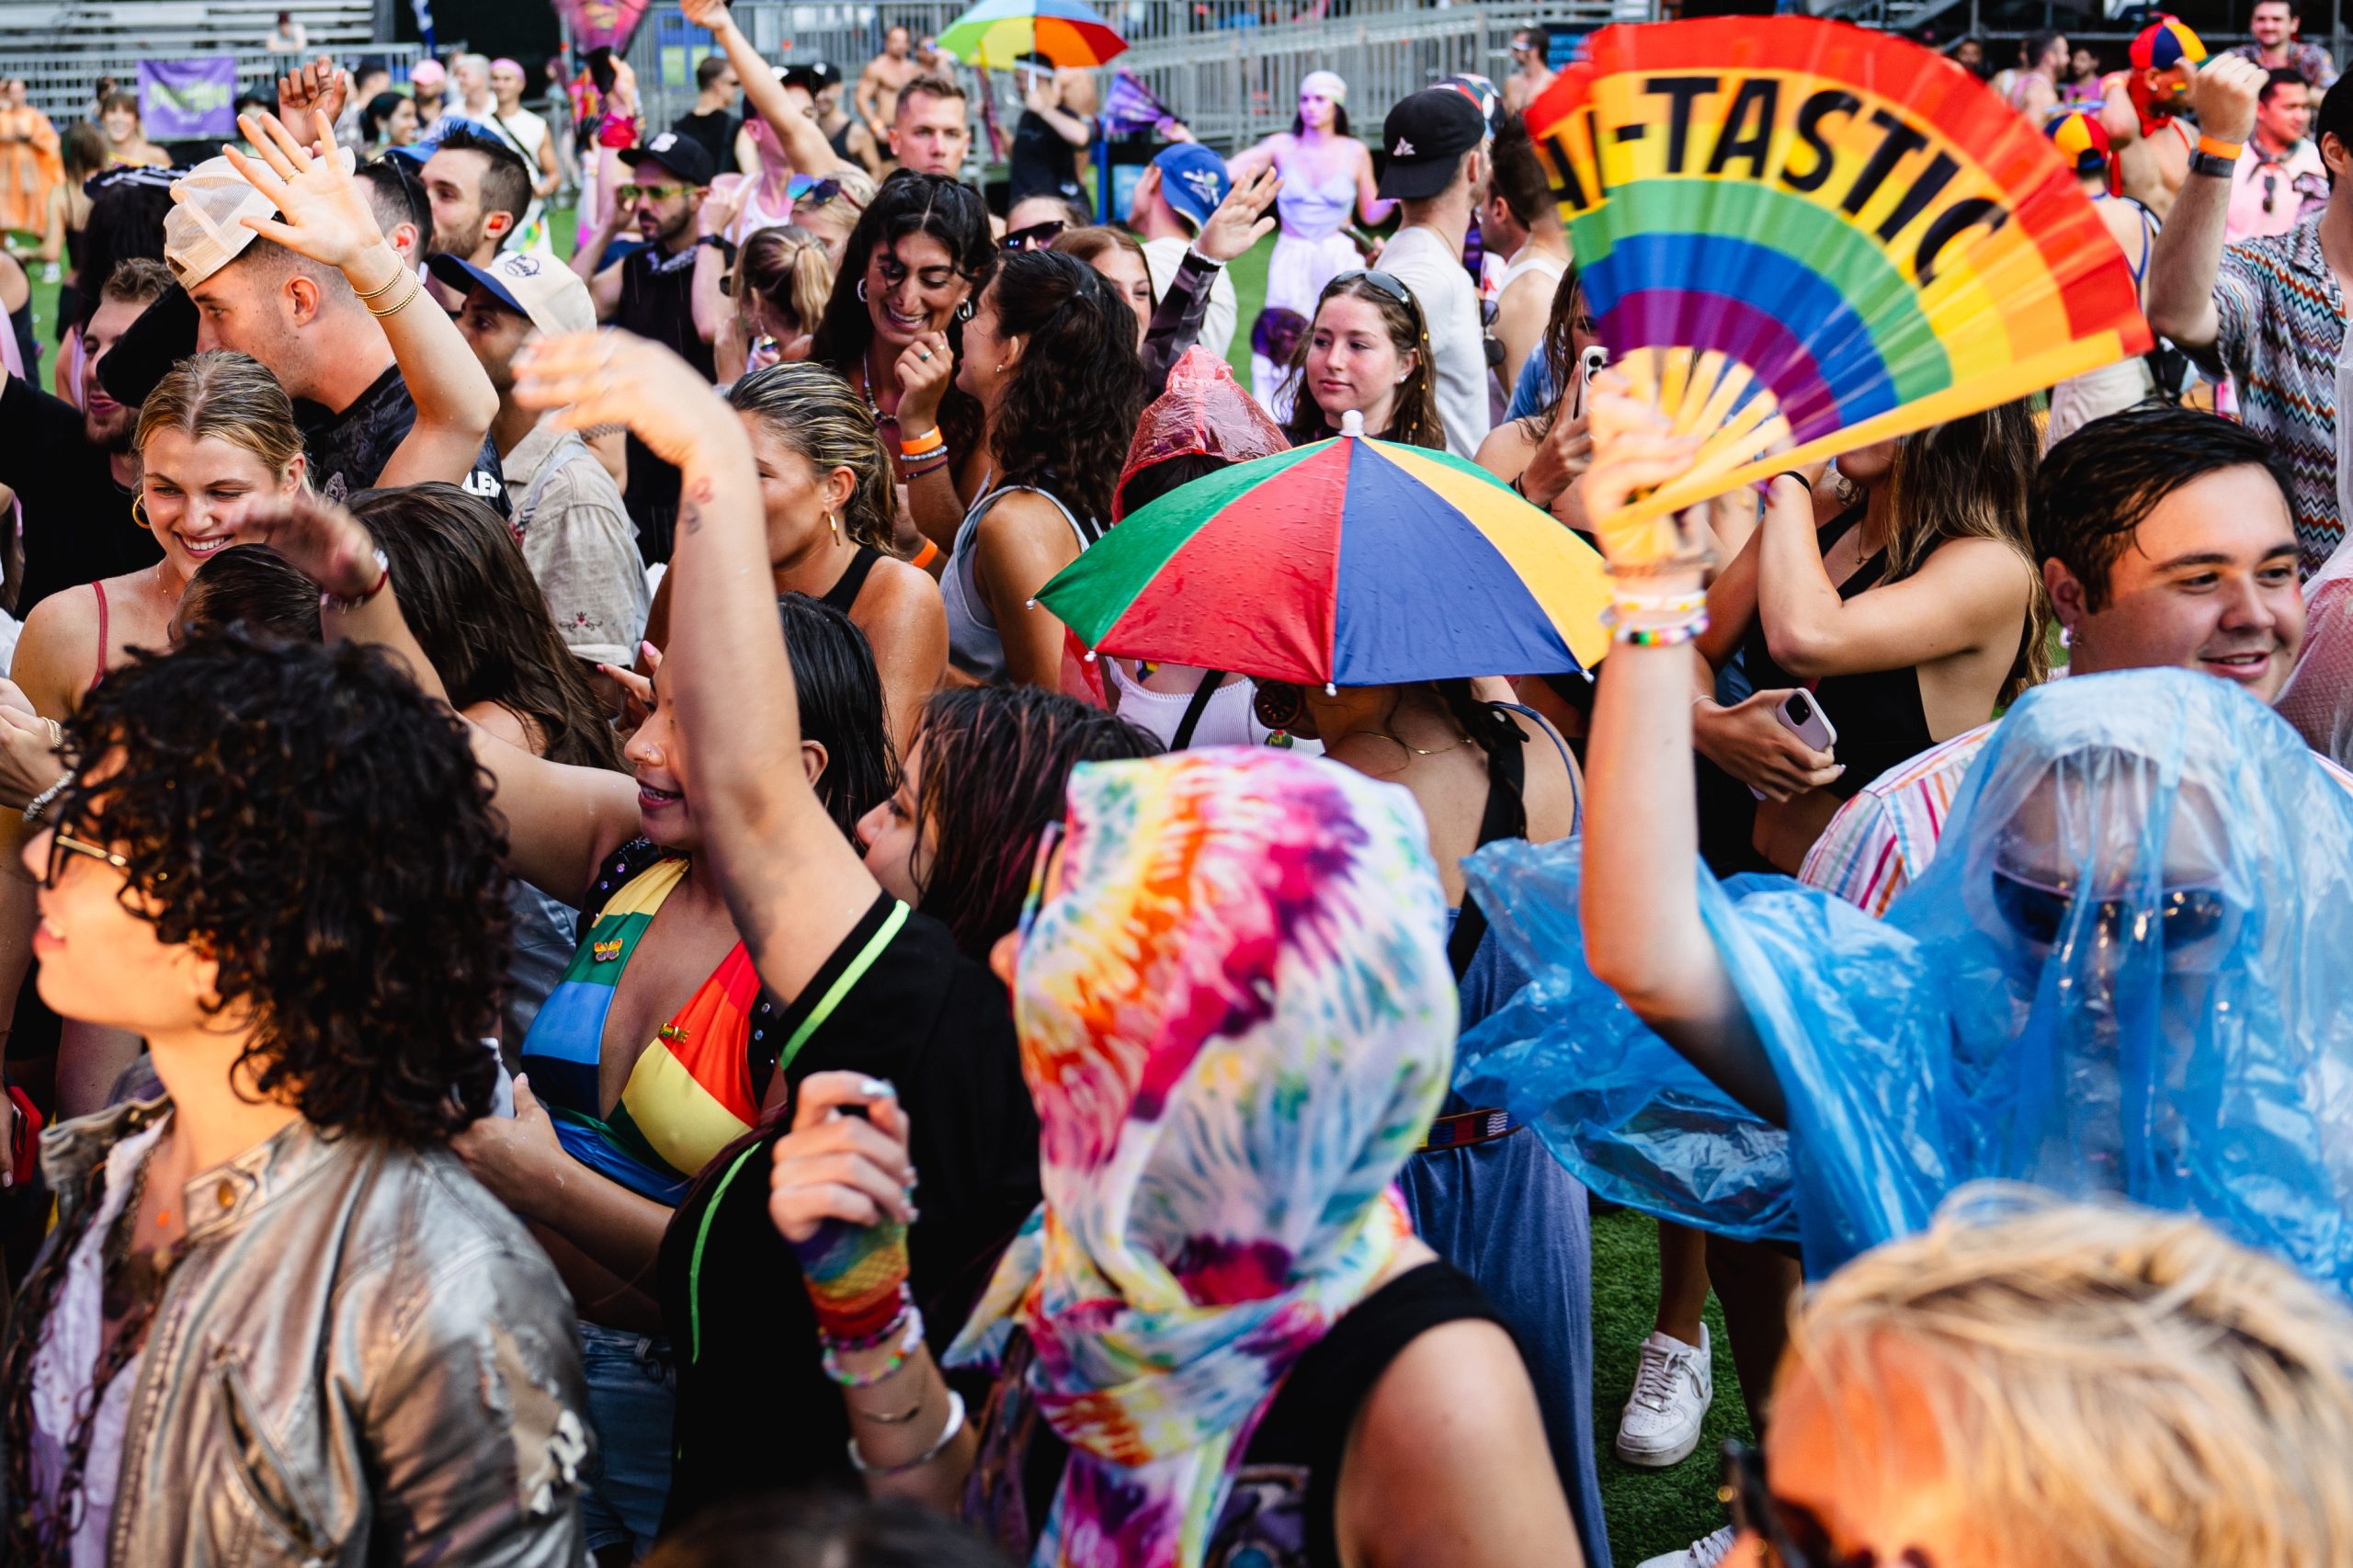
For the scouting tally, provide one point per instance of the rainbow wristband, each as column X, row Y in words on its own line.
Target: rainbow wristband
column 908, row 1325
column 856, row 1276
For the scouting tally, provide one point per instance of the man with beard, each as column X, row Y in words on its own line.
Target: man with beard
column 650, row 292
column 479, row 188
column 72, row 468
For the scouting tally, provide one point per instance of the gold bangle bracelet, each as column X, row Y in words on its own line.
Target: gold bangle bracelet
column 415, row 289
column 398, row 270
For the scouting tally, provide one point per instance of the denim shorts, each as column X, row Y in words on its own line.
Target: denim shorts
column 632, row 1398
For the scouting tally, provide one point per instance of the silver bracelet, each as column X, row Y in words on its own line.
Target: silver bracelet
column 947, row 1435
column 40, row 804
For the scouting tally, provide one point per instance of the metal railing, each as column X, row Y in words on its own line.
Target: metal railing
column 1230, row 68
column 59, row 84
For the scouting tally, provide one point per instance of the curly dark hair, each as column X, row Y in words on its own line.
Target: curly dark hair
column 995, row 761
column 1070, row 407
column 318, row 826
column 469, row 596
column 906, row 204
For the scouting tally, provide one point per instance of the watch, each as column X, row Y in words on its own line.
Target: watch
column 2211, row 164
column 717, row 242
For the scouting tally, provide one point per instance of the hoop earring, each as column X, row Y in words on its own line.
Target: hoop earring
column 139, row 517
column 861, row 290
column 964, row 310
column 834, row 523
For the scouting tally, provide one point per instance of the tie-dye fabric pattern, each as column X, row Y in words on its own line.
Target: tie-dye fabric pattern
column 1237, row 1020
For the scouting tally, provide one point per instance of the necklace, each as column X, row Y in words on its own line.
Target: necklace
column 1402, row 746
column 866, row 367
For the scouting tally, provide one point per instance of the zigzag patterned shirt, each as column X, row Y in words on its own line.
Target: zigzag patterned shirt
column 2283, row 324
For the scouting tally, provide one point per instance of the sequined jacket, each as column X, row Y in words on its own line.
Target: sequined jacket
column 360, row 1357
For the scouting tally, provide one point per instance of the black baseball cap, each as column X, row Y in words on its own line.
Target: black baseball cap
column 682, row 155
column 815, row 76
column 1426, row 136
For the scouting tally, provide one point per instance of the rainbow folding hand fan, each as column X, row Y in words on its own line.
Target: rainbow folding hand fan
column 1798, row 236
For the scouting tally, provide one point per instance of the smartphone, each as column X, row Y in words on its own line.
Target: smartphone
column 1591, row 362
column 1801, row 715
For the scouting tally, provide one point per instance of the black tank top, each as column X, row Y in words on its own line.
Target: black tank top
column 1878, row 713
column 845, row 591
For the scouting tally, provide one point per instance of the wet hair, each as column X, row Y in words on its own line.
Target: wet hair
column 812, row 412
column 316, row 824
column 481, row 620
column 140, row 281
column 841, row 707
column 1414, row 421
column 1559, row 344
column 787, row 265
column 85, row 149
column 1515, row 175
column 2335, row 114
column 226, row 395
column 905, row 205
column 1153, row 481
column 823, row 1531
column 397, row 196
column 252, row 588
column 505, row 179
column 1070, row 405
column 995, row 762
column 2101, row 483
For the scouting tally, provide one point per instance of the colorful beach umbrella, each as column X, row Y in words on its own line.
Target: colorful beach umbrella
column 996, row 34
column 1347, row 562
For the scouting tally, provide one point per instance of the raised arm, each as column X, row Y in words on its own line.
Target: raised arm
column 793, row 883
column 561, row 821
column 804, row 145
column 1251, row 160
column 1238, row 223
column 1369, row 207
column 2188, row 253
column 324, row 217
column 1640, row 905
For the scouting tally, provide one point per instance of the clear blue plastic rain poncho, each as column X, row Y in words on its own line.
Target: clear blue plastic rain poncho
column 2129, row 970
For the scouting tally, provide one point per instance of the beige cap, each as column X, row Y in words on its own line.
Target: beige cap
column 204, row 232
column 533, row 285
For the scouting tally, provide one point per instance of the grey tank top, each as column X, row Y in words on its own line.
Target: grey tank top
column 975, row 645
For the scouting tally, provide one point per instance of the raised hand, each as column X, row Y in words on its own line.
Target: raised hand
column 841, row 1192
column 318, row 86
column 1635, row 451
column 1241, row 220
column 925, row 368
column 2224, row 95
column 612, row 377
column 322, row 541
column 322, row 213
column 711, row 15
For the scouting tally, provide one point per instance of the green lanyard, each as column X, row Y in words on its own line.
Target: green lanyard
column 891, row 925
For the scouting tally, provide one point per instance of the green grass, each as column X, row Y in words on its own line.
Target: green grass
column 1650, row 1511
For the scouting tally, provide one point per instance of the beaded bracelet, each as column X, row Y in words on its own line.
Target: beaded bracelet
column 938, row 1445
column 911, row 1316
column 1668, row 635
column 916, row 469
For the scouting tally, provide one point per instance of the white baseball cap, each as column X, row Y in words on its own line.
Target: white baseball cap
column 204, row 232
column 540, row 289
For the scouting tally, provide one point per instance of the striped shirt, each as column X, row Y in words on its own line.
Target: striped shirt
column 2281, row 326
column 1883, row 839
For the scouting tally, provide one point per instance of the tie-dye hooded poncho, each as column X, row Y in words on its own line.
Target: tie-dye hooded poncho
column 1237, row 1018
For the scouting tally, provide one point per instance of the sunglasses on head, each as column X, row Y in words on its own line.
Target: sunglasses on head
column 813, row 190
column 2039, row 913
column 1037, row 236
column 1387, row 282
column 628, row 193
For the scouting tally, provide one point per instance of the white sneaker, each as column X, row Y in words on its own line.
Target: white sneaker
column 1674, row 1385
column 1705, row 1552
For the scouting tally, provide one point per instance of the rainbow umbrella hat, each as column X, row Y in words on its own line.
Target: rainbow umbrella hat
column 996, row 34
column 1347, row 562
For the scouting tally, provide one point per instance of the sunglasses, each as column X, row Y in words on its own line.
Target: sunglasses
column 1037, row 236
column 811, row 190
column 1793, row 1537
column 628, row 193
column 63, row 844
column 2270, row 190
column 1387, row 282
column 2036, row 913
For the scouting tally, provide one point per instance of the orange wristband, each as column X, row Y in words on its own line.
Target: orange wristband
column 926, row 556
column 923, row 444
column 2212, row 148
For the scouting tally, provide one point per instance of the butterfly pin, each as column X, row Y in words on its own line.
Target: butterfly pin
column 607, row 951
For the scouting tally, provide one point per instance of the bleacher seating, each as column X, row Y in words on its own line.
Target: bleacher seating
column 191, row 27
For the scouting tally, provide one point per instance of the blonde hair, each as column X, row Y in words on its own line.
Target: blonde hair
column 786, row 265
column 812, row 410
column 2115, row 1387
column 226, row 395
column 855, row 189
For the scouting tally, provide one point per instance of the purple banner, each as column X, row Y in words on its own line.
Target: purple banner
column 182, row 99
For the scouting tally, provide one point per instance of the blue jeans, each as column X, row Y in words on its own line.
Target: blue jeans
column 632, row 1397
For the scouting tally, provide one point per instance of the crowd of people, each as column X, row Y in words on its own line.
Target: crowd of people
column 591, row 972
